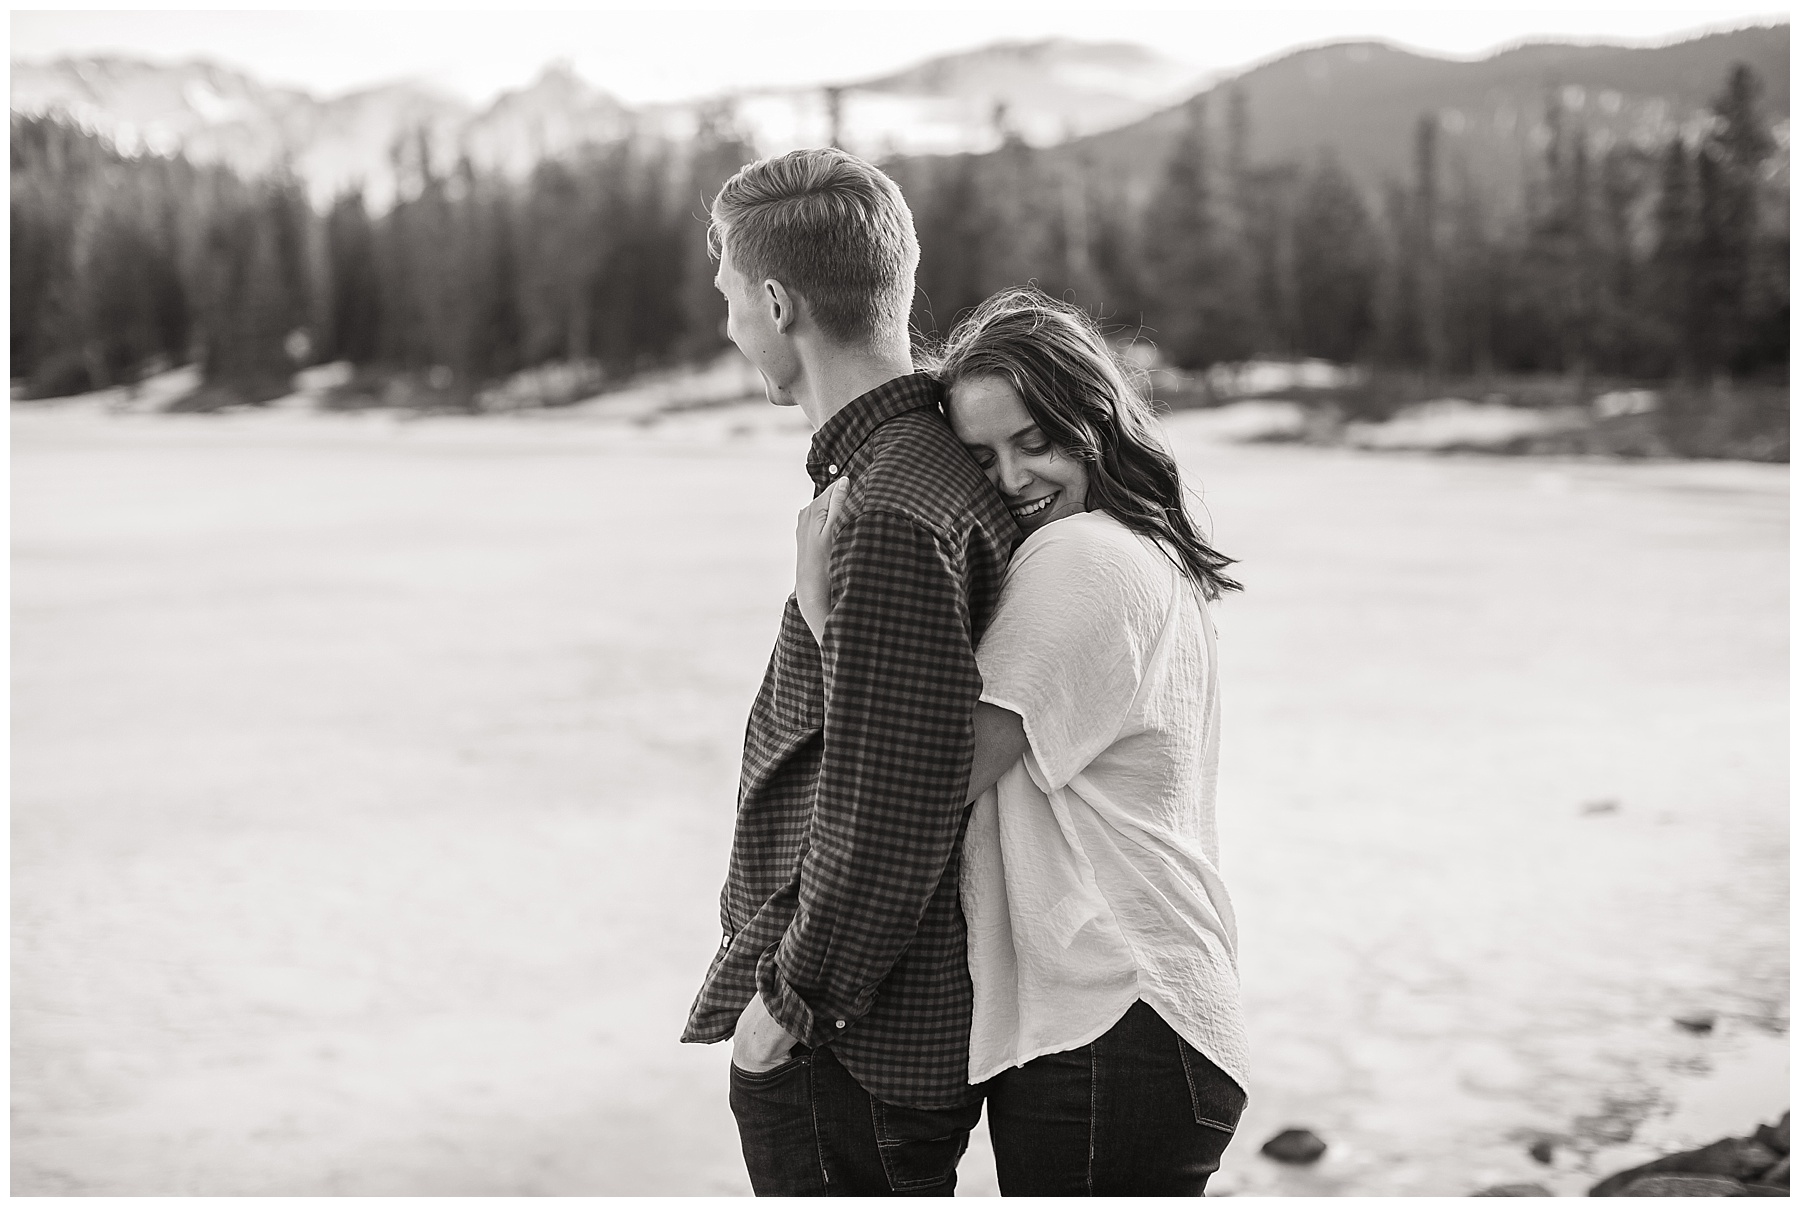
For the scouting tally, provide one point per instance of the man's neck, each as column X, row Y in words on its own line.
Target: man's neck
column 836, row 380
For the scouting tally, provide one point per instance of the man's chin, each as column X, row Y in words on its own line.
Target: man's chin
column 775, row 394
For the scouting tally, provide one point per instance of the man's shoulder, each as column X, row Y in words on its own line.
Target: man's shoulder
column 915, row 467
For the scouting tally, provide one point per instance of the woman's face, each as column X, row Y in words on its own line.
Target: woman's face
column 1039, row 484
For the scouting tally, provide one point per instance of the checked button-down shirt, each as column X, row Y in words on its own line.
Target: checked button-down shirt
column 841, row 906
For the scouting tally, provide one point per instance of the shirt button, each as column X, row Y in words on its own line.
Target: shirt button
column 831, row 469
column 840, row 1024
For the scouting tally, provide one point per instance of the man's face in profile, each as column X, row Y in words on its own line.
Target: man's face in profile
column 750, row 324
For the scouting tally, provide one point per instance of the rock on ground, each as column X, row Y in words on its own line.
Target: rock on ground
column 1295, row 1146
column 1685, row 1185
column 1736, row 1160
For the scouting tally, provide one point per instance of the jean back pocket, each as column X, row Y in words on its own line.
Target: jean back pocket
column 1218, row 1100
column 920, row 1148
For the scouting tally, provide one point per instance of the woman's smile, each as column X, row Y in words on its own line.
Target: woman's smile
column 1023, row 511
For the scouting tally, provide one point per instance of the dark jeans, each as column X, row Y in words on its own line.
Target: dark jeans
column 1137, row 1112
column 809, row 1129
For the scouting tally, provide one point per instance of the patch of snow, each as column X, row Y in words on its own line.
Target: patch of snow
column 320, row 378
column 1458, row 423
column 1268, row 376
column 1242, row 422
column 201, row 97
column 1625, row 402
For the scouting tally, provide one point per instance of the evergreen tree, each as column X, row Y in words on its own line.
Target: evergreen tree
column 1621, row 335
column 1674, row 266
column 1730, row 165
column 719, row 149
column 1335, row 269
column 1397, row 323
column 251, row 292
column 953, row 226
column 1469, row 274
column 1422, row 232
column 353, row 322
column 1198, row 317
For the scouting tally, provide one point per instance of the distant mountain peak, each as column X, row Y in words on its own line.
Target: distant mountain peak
column 1049, row 89
column 1361, row 102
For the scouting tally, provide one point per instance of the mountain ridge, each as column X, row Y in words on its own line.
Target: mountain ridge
column 1113, row 107
column 1051, row 88
column 1361, row 100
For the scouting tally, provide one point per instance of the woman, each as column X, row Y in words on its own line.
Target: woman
column 1102, row 944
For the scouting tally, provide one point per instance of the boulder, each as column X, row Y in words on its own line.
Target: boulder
column 1700, row 1022
column 1775, row 1137
column 1734, row 1158
column 1543, row 1151
column 1295, row 1146
column 1513, row 1190
column 1685, row 1185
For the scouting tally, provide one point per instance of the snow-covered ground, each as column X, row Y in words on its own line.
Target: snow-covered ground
column 373, row 782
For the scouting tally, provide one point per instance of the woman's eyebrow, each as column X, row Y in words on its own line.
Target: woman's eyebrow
column 1030, row 427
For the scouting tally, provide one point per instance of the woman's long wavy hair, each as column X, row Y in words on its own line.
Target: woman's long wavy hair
column 1083, row 399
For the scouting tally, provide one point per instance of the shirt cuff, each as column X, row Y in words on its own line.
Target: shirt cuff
column 791, row 1010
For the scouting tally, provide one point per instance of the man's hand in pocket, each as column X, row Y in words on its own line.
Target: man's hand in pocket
column 760, row 1043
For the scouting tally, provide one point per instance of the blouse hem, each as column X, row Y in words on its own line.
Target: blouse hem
column 1060, row 1046
column 1205, row 1049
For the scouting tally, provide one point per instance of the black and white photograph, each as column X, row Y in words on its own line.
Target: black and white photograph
column 987, row 601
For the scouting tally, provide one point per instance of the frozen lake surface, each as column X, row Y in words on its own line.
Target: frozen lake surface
column 373, row 783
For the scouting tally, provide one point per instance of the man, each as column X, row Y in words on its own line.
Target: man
column 843, row 978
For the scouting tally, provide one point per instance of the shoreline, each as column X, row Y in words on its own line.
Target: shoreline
column 435, row 933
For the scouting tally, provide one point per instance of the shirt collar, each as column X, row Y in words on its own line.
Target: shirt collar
column 835, row 443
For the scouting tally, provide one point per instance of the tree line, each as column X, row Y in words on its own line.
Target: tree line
column 1648, row 262
column 1625, row 260
column 123, row 265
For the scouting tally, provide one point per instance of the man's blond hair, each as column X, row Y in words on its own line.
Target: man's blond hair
column 832, row 228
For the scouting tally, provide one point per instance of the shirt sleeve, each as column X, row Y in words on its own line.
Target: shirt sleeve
column 901, row 685
column 1076, row 629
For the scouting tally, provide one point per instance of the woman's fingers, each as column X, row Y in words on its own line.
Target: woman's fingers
column 833, row 511
column 822, row 516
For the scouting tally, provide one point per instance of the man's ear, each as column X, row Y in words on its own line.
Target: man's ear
column 782, row 305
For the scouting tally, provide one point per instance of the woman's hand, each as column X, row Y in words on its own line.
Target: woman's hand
column 813, row 536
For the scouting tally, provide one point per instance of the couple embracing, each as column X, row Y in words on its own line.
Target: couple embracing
column 975, row 856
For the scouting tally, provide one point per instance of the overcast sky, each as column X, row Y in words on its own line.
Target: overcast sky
column 666, row 54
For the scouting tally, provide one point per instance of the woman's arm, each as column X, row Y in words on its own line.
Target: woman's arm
column 999, row 743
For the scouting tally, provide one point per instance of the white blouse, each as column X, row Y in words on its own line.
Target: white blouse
column 1090, row 871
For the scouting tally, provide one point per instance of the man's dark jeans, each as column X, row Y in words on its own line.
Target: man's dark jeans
column 809, row 1129
column 1137, row 1112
